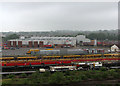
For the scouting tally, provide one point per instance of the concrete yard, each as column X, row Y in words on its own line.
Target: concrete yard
column 22, row 51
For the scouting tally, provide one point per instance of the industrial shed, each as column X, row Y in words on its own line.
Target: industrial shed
column 43, row 41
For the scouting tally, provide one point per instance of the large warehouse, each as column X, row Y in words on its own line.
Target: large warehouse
column 47, row 41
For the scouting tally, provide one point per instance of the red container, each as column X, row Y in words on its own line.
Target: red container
column 14, row 43
column 30, row 44
column 35, row 44
column 9, row 43
column 19, row 43
column 40, row 43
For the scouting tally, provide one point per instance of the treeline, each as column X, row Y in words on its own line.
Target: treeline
column 91, row 35
column 102, row 36
column 68, row 77
column 9, row 37
column 98, row 36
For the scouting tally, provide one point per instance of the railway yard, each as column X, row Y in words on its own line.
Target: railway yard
column 26, row 58
column 22, row 51
column 62, row 44
column 29, row 62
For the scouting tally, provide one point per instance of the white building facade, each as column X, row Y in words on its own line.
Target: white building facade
column 53, row 40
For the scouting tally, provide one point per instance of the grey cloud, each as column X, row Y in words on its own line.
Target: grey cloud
column 53, row 16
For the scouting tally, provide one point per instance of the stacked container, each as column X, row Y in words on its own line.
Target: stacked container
column 9, row 43
column 40, row 43
column 30, row 44
column 19, row 43
column 35, row 44
column 14, row 43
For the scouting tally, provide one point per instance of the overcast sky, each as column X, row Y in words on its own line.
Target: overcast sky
column 39, row 16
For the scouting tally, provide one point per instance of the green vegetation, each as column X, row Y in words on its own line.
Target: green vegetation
column 102, row 36
column 99, row 35
column 12, row 36
column 64, row 78
column 94, row 35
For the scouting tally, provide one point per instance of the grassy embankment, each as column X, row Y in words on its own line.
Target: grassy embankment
column 64, row 78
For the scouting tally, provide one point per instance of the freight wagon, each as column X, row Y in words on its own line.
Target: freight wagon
column 57, row 52
column 30, row 62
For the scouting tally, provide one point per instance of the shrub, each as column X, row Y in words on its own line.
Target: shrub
column 11, row 76
column 67, row 73
column 111, row 72
column 57, row 78
column 97, row 76
column 46, row 74
column 116, row 75
column 34, row 75
column 104, row 75
column 23, row 75
column 103, row 69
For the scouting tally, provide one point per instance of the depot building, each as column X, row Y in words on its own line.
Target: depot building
column 47, row 41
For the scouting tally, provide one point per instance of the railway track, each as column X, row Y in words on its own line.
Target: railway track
column 6, row 73
column 37, row 61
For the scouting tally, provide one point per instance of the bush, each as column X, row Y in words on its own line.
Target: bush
column 84, row 77
column 116, row 75
column 75, row 79
column 34, row 75
column 111, row 72
column 57, row 78
column 11, row 76
column 67, row 73
column 97, row 76
column 46, row 74
column 103, row 69
column 23, row 75
column 63, row 77
column 117, row 70
column 104, row 75
column 88, row 74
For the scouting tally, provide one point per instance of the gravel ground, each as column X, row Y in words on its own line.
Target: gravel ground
column 22, row 51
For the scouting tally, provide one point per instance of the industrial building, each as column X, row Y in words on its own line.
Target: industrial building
column 48, row 41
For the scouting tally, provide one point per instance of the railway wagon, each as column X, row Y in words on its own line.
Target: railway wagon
column 32, row 61
column 75, row 52
column 49, row 52
column 57, row 52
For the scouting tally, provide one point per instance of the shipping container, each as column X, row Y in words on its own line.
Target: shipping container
column 41, row 44
column 9, row 43
column 30, row 44
column 14, row 44
column 19, row 43
column 35, row 44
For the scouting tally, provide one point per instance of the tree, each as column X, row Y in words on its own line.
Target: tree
column 92, row 36
column 12, row 36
